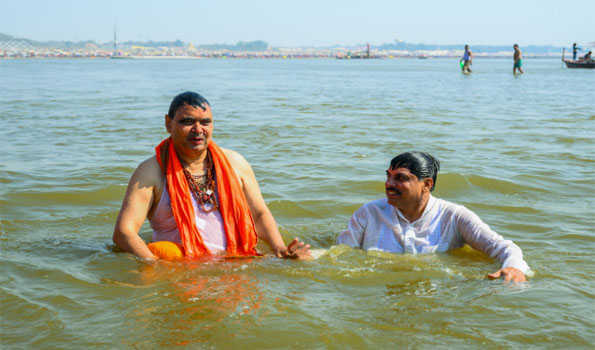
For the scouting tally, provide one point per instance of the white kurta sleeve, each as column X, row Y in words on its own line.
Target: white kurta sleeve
column 354, row 235
column 480, row 236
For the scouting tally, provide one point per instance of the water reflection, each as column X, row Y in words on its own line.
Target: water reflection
column 187, row 301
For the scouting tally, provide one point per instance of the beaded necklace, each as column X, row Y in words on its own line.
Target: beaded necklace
column 202, row 187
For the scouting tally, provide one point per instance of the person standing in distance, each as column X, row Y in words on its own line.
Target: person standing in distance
column 518, row 60
column 466, row 60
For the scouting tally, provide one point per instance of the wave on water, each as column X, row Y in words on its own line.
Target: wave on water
column 69, row 197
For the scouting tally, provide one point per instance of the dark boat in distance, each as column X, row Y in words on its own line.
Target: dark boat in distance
column 578, row 63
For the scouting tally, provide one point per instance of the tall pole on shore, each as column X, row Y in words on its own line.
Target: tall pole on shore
column 115, row 39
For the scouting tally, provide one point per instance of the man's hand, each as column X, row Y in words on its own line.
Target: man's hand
column 295, row 250
column 509, row 274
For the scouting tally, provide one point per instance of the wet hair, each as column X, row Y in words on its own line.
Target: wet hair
column 515, row 45
column 466, row 47
column 187, row 98
column 420, row 164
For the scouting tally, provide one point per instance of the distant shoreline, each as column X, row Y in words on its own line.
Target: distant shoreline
column 132, row 58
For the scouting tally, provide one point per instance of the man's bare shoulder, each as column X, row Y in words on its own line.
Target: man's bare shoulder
column 148, row 172
column 239, row 164
column 236, row 159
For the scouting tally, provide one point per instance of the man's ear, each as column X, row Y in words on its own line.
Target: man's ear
column 428, row 183
column 168, row 122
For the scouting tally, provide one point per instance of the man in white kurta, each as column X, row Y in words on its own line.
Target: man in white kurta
column 443, row 226
column 411, row 220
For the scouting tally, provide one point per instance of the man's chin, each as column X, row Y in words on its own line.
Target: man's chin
column 198, row 147
column 392, row 200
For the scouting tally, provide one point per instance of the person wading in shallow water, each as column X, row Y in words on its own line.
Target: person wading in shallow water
column 466, row 60
column 203, row 198
column 518, row 60
column 411, row 220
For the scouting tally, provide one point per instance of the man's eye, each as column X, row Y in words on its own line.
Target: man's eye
column 187, row 121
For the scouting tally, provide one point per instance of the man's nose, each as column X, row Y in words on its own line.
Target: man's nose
column 197, row 127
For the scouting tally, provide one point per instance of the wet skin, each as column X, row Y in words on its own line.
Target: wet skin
column 191, row 130
column 407, row 192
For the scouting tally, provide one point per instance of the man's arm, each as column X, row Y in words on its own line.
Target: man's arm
column 135, row 208
column 354, row 235
column 266, row 227
column 478, row 235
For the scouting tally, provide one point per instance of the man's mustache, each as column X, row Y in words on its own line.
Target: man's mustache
column 393, row 189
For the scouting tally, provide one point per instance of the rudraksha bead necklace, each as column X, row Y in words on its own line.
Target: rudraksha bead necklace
column 202, row 187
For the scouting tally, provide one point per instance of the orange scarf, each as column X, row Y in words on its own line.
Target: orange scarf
column 233, row 206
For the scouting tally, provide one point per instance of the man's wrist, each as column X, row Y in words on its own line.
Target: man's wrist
column 518, row 264
column 279, row 250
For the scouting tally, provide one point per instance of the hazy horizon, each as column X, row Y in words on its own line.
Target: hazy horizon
column 307, row 24
column 288, row 46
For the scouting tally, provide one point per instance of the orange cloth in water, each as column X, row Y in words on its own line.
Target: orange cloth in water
column 233, row 206
column 166, row 250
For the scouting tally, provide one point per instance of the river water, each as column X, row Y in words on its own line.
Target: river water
column 519, row 151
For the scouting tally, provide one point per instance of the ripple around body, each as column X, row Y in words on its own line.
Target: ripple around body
column 319, row 135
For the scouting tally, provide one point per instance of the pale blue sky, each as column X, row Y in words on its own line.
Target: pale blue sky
column 304, row 22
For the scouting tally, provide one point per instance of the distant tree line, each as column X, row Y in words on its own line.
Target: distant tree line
column 151, row 43
column 401, row 45
column 257, row 45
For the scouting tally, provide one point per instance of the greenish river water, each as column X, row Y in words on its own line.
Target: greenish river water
column 519, row 151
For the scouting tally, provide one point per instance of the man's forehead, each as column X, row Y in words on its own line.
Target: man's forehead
column 187, row 110
column 396, row 171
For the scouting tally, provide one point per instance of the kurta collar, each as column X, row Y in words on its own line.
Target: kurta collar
column 428, row 208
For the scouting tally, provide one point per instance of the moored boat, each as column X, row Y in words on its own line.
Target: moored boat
column 578, row 63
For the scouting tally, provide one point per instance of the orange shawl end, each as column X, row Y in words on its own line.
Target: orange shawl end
column 233, row 206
